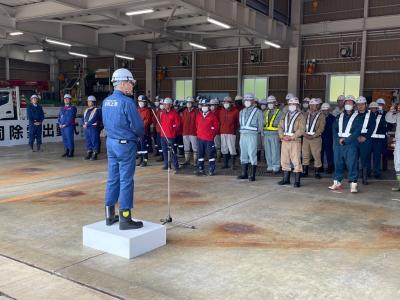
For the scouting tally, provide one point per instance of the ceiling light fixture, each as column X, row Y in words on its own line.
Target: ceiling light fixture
column 272, row 44
column 197, row 46
column 218, row 23
column 124, row 57
column 140, row 12
column 77, row 54
column 35, row 50
column 57, row 42
column 16, row 33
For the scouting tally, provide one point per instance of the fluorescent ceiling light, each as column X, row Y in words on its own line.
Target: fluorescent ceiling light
column 77, row 54
column 57, row 42
column 197, row 46
column 16, row 33
column 220, row 24
column 35, row 50
column 140, row 12
column 272, row 44
column 124, row 57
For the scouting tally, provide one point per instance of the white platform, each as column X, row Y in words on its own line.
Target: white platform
column 125, row 243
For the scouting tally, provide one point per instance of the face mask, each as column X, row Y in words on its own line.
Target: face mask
column 305, row 105
column 271, row 106
column 204, row 109
column 189, row 104
column 227, row 105
column 348, row 107
column 292, row 108
column 263, row 106
column 247, row 103
column 157, row 104
column 141, row 104
column 161, row 106
column 212, row 107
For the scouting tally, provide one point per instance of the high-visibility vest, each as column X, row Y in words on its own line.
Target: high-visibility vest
column 269, row 123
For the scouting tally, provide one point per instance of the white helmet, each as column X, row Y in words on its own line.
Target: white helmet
column 319, row 100
column 168, row 100
column 306, row 99
column 68, row 96
column 238, row 97
column 289, row 96
column 91, row 98
column 214, row 101
column 373, row 105
column 122, row 75
column 294, row 100
column 361, row 100
column 380, row 101
column 271, row 99
column 142, row 98
column 249, row 96
column 189, row 99
column 350, row 97
column 313, row 101
column 341, row 98
column 325, row 106
column 262, row 101
column 35, row 96
column 227, row 99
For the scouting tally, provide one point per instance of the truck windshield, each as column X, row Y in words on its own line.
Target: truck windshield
column 4, row 98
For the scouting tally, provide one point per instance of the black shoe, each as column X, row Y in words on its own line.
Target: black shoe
column 111, row 218
column 89, row 155
column 245, row 172
column 297, row 176
column 211, row 173
column 94, row 156
column 65, row 153
column 285, row 179
column 144, row 163
column 253, row 173
column 126, row 222
column 364, row 175
column 317, row 174
column 305, row 171
column 70, row 153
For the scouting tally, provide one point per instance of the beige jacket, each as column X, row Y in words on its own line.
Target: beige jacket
column 298, row 128
column 319, row 127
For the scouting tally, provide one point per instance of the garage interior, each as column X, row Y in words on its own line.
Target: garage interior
column 253, row 240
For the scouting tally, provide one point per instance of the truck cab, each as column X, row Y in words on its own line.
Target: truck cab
column 7, row 109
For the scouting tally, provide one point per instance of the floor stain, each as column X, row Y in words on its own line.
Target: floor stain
column 238, row 228
column 67, row 194
column 186, row 194
column 30, row 170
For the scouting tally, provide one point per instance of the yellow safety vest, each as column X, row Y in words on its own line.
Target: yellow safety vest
column 269, row 123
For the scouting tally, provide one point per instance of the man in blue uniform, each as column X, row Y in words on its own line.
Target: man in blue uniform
column 364, row 140
column 124, row 127
column 327, row 137
column 346, row 130
column 35, row 117
column 91, row 123
column 66, row 121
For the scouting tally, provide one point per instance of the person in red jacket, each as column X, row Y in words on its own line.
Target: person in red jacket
column 229, row 124
column 207, row 128
column 170, row 123
column 143, row 144
column 156, row 120
column 189, row 130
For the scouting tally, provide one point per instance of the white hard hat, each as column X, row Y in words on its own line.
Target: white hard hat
column 381, row 101
column 350, row 97
column 289, row 96
column 238, row 97
column 67, row 96
column 325, row 106
column 122, row 75
column 313, row 101
column 189, row 99
column 142, row 98
column 263, row 101
column 361, row 100
column 294, row 100
column 341, row 98
column 306, row 99
column 373, row 105
column 91, row 98
column 34, row 96
column 249, row 96
column 271, row 99
column 167, row 100
column 319, row 100
column 227, row 99
column 214, row 101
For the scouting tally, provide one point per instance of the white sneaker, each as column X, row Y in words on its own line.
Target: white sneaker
column 336, row 186
column 353, row 187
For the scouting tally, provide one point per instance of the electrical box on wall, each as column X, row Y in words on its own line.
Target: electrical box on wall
column 256, row 56
column 346, row 50
column 184, row 60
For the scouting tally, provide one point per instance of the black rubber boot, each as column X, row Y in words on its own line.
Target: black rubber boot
column 126, row 222
column 65, row 153
column 94, row 156
column 245, row 172
column 111, row 218
column 233, row 162
column 297, row 176
column 285, row 179
column 226, row 161
column 364, row 173
column 317, row 174
column 305, row 171
column 88, row 155
column 31, row 146
column 252, row 177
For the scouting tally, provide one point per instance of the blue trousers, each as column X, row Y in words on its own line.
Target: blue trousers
column 165, row 145
column 364, row 151
column 158, row 144
column 92, row 139
column 327, row 152
column 272, row 148
column 143, row 147
column 67, row 134
column 248, row 148
column 35, row 132
column 121, row 170
column 203, row 148
column 378, row 151
column 346, row 155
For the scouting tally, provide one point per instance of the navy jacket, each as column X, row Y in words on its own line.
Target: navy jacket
column 35, row 113
column 355, row 130
column 67, row 115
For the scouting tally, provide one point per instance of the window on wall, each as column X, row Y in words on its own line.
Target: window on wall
column 257, row 86
column 343, row 85
column 183, row 89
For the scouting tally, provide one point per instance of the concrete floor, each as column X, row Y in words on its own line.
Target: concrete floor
column 253, row 240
